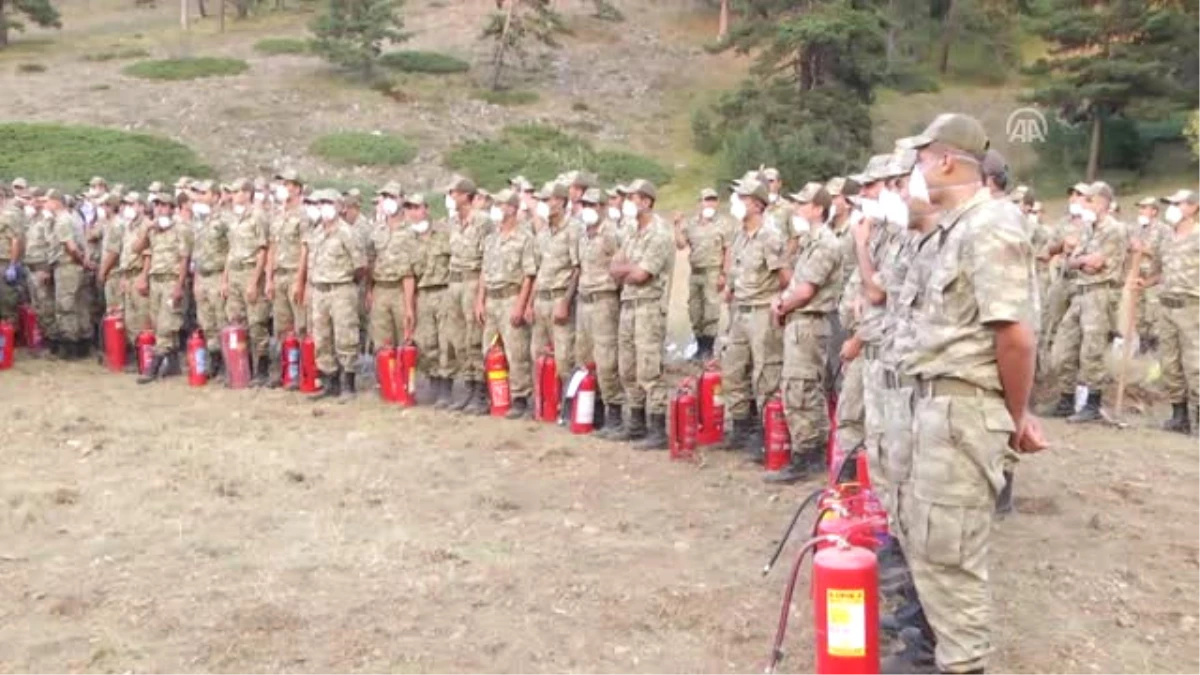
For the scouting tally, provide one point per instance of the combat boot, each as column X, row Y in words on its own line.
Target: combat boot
column 634, row 428
column 261, row 370
column 83, row 349
column 480, row 403
column 518, row 409
column 1064, row 408
column 1004, row 500
column 1090, row 411
column 131, row 359
column 214, row 364
column 349, row 388
column 737, row 437
column 917, row 656
column 152, row 373
column 656, row 435
column 331, row 385
column 807, row 464
column 612, row 422
column 461, row 403
column 1179, row 422
column 895, row 579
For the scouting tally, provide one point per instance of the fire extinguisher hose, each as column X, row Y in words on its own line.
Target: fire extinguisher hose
column 781, row 630
column 849, row 462
column 787, row 534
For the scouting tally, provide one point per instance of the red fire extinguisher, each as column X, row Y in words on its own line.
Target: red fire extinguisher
column 235, row 350
column 197, row 358
column 777, row 440
column 496, row 368
column 289, row 361
column 308, row 365
column 682, row 421
column 583, row 403
column 846, row 609
column 404, row 382
column 385, row 372
column 545, row 387
column 8, row 340
column 31, row 332
column 711, row 422
column 145, row 350
column 112, row 332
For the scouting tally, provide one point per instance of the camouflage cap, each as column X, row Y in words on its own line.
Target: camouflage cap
column 53, row 195
column 391, row 188
column 516, row 182
column 96, row 181
column 240, row 185
column 993, row 163
column 203, row 186
column 621, row 190
column 614, row 192
column 836, row 186
column 1181, row 197
column 753, row 188
column 110, row 199
column 643, row 187
column 184, row 182
column 901, row 162
column 483, row 193
column 877, row 168
column 1149, row 201
column 289, row 175
column 754, row 175
column 1079, row 188
column 461, row 184
column 37, row 192
column 417, row 199
column 709, row 193
column 508, row 196
column 261, row 184
column 812, row 193
column 156, row 186
column 591, row 196
column 770, row 174
column 134, row 198
column 160, row 198
column 553, row 190
column 581, row 179
column 19, row 184
column 327, row 195
column 1098, row 189
column 956, row 130
column 352, row 196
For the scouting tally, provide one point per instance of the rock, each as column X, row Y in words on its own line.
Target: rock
column 1124, row 622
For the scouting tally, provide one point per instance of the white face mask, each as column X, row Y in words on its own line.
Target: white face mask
column 1035, row 219
column 737, row 208
column 201, row 209
column 129, row 213
column 390, row 206
column 101, row 213
column 30, row 211
column 496, row 214
column 281, row 194
column 589, row 216
column 832, row 213
column 47, row 214
column 629, row 209
column 178, row 191
column 1088, row 216
column 1075, row 209
column 918, row 189
column 871, row 209
column 164, row 222
column 800, row 223
column 708, row 212
column 313, row 212
column 1174, row 214
column 260, row 197
column 1143, row 220
column 420, row 227
column 614, row 213
column 856, row 217
column 239, row 209
column 542, row 210
column 328, row 211
column 773, row 197
column 451, row 205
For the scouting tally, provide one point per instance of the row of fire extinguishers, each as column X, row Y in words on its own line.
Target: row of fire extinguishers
column 23, row 333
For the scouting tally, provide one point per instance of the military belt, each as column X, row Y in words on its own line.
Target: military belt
column 38, row 267
column 502, row 292
column 552, row 294
column 588, row 298
column 465, row 275
column 320, row 286
column 895, row 380
column 1178, row 302
column 747, row 309
column 432, row 287
column 389, row 283
column 635, row 302
column 949, row 386
column 209, row 273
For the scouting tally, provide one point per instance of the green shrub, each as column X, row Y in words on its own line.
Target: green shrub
column 424, row 62
column 67, row 156
column 704, row 132
column 910, row 80
column 117, row 54
column 540, row 153
column 186, row 69
column 31, row 68
column 353, row 148
column 508, row 97
column 274, row 46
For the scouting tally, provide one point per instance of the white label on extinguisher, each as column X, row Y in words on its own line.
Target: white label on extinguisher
column 846, row 622
column 585, row 407
column 233, row 341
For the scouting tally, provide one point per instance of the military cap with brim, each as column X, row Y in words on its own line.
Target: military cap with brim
column 417, row 199
column 621, row 190
column 184, row 182
column 19, row 184
column 240, row 185
column 877, row 168
column 901, row 162
column 461, row 184
column 754, row 175
column 161, row 198
column 133, row 198
column 508, row 196
column 581, row 179
column 770, row 174
column 110, row 199
column 753, row 188
column 156, row 186
column 96, row 181
column 1080, row 188
column 54, row 195
column 643, row 187
column 203, row 186
column 956, row 130
column 1181, row 197
column 709, row 193
column 591, row 196
column 37, row 192
column 1098, row 189
column 836, row 186
column 552, row 190
column 613, row 192
column 289, row 175
column 352, row 196
column 1148, row 201
column 811, row 193
column 391, row 188
column 261, row 184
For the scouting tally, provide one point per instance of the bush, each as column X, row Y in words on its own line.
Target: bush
column 31, row 68
column 117, row 54
column 540, row 153
column 508, row 97
column 704, row 133
column 275, row 46
column 424, row 62
column 910, row 80
column 186, row 69
column 363, row 149
column 67, row 156
column 1065, row 150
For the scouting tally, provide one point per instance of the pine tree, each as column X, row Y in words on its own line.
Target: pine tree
column 519, row 22
column 352, row 33
column 40, row 12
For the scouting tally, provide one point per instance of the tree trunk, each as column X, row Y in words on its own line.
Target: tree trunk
column 949, row 26
column 723, row 21
column 1093, row 164
column 203, row 11
column 502, row 45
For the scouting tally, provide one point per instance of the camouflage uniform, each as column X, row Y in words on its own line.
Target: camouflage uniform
column 12, row 228
column 41, row 251
column 393, row 253
column 72, row 296
column 508, row 260
column 961, row 426
column 1179, row 336
column 248, row 234
column 462, row 332
column 132, row 265
column 114, row 234
column 94, row 252
column 706, row 238
column 210, row 251
column 850, row 412
column 337, row 255
column 642, row 324
column 1061, row 288
column 433, row 302
column 1149, row 308
column 556, row 249
column 287, row 234
column 599, row 309
column 169, row 248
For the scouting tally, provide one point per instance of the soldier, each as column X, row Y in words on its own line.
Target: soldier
column 599, row 308
column 1149, row 231
column 338, row 260
column 643, row 267
column 973, row 360
column 152, row 192
column 72, row 311
column 803, row 308
column 393, row 254
column 433, row 297
column 288, row 228
column 556, row 249
column 756, row 271
column 1063, row 240
column 167, row 251
column 467, row 230
column 243, row 282
column 12, row 229
column 705, row 237
column 41, row 253
column 779, row 213
column 840, row 189
column 210, row 253
column 135, row 285
column 1082, row 337
column 1178, row 254
column 505, row 291
column 94, row 246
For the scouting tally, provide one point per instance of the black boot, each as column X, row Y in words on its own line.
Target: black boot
column 910, row 615
column 331, row 385
column 479, row 403
column 349, row 387
column 737, row 437
column 1179, row 422
column 172, row 367
column 634, row 428
column 612, row 422
column 441, row 391
column 656, row 435
column 598, row 414
column 753, row 447
column 85, row 348
column 1004, row 500
column 464, row 399
column 915, row 657
column 518, row 409
column 1091, row 410
column 806, row 464
column 131, row 359
column 895, row 579
column 152, row 373
column 1064, row 408
column 261, row 370
column 214, row 364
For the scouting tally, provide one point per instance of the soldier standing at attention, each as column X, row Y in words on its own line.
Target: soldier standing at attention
column 12, row 229
column 167, row 250
column 1062, row 242
column 41, row 252
column 1149, row 231
column 433, row 298
column 973, row 360
column 128, row 268
column 705, row 237
column 363, row 226
column 509, row 268
column 210, row 235
column 245, row 274
column 556, row 248
column 643, row 268
column 803, row 309
column 393, row 254
column 467, row 230
column 338, row 261
column 72, row 311
column 599, row 307
column 1178, row 253
column 287, row 231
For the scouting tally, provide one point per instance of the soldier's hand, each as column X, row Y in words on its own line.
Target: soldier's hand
column 224, row 291
column 516, row 316
column 528, row 315
column 297, row 293
column 44, row 278
column 270, row 289
column 728, row 295
column 851, row 348
column 410, row 326
column 142, row 286
column 177, row 295
column 369, row 299
column 1028, row 438
column 562, row 312
column 252, row 294
column 777, row 306
column 480, row 311
column 720, row 282
column 1136, row 245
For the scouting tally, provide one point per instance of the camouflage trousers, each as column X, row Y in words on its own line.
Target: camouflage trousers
column 752, row 359
column 895, row 447
column 72, row 302
column 112, row 293
column 596, row 341
column 387, row 314
column 1179, row 352
column 241, row 311
column 805, row 347
column 875, row 378
column 41, row 298
column 136, row 308
column 335, row 326
column 463, row 333
column 850, row 405
column 210, row 308
column 1078, row 355
column 9, row 298
column 515, row 339
column 433, row 342
column 704, row 301
column 287, row 314
column 1054, row 307
column 958, row 446
column 641, row 329
column 167, row 313
column 1149, row 311
column 547, row 333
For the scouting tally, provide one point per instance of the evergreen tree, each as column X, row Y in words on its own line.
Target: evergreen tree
column 40, row 12
column 520, row 22
column 352, row 33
